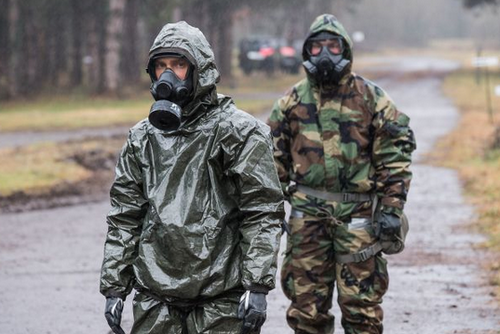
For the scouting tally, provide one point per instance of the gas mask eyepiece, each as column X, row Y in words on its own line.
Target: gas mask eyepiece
column 170, row 87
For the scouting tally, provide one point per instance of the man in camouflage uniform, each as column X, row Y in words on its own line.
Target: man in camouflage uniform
column 343, row 152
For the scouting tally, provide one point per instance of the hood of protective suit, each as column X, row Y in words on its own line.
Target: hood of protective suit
column 190, row 42
column 329, row 23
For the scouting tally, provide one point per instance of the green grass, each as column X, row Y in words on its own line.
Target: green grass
column 468, row 91
column 36, row 168
column 68, row 113
column 78, row 111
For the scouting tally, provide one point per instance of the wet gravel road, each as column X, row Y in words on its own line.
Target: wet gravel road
column 50, row 260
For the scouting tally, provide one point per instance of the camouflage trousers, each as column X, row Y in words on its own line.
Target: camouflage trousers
column 217, row 316
column 309, row 274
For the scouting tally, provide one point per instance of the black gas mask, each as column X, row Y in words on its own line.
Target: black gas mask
column 325, row 58
column 171, row 94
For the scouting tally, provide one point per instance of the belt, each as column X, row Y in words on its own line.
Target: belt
column 361, row 256
column 335, row 197
column 189, row 303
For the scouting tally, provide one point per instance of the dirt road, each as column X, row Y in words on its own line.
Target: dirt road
column 50, row 260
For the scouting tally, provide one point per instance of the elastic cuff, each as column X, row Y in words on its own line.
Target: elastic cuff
column 259, row 288
column 111, row 293
column 284, row 186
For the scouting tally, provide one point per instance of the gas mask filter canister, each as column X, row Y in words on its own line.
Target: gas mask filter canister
column 165, row 115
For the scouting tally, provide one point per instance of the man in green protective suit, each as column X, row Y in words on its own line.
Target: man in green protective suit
column 197, row 205
column 343, row 152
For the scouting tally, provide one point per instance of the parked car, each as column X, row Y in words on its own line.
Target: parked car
column 256, row 55
column 269, row 55
column 289, row 59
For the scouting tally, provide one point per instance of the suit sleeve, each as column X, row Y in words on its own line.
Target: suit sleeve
column 128, row 207
column 281, row 134
column 261, row 205
column 393, row 144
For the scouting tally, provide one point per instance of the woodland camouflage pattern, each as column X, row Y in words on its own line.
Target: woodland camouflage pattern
column 309, row 275
column 349, row 138
column 346, row 138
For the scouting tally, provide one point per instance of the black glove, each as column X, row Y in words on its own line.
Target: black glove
column 388, row 226
column 285, row 228
column 252, row 310
column 113, row 314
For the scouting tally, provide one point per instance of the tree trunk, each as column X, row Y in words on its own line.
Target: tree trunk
column 215, row 21
column 30, row 48
column 59, row 43
column 93, row 60
column 225, row 45
column 77, row 34
column 113, row 44
column 38, row 47
column 129, row 58
column 102, row 16
column 14, row 43
column 51, row 66
column 4, row 51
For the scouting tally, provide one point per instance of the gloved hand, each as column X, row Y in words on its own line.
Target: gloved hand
column 388, row 226
column 285, row 228
column 252, row 310
column 113, row 314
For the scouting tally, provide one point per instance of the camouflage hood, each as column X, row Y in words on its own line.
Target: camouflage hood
column 329, row 23
column 190, row 42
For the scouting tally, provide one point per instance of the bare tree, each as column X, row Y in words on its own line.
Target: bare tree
column 4, row 51
column 129, row 51
column 14, row 45
column 67, row 44
column 77, row 16
column 113, row 44
column 95, row 44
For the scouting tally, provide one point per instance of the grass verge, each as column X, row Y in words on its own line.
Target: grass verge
column 473, row 149
column 37, row 169
column 70, row 113
column 64, row 114
column 74, row 112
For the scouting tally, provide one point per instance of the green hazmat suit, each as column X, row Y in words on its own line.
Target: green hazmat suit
column 196, row 212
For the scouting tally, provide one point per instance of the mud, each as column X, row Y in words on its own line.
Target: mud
column 91, row 190
column 50, row 259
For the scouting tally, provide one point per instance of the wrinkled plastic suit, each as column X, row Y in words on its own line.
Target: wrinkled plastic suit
column 196, row 212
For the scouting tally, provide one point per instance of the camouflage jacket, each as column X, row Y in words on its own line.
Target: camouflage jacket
column 348, row 138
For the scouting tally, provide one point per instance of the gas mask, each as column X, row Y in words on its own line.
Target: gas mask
column 171, row 94
column 326, row 64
